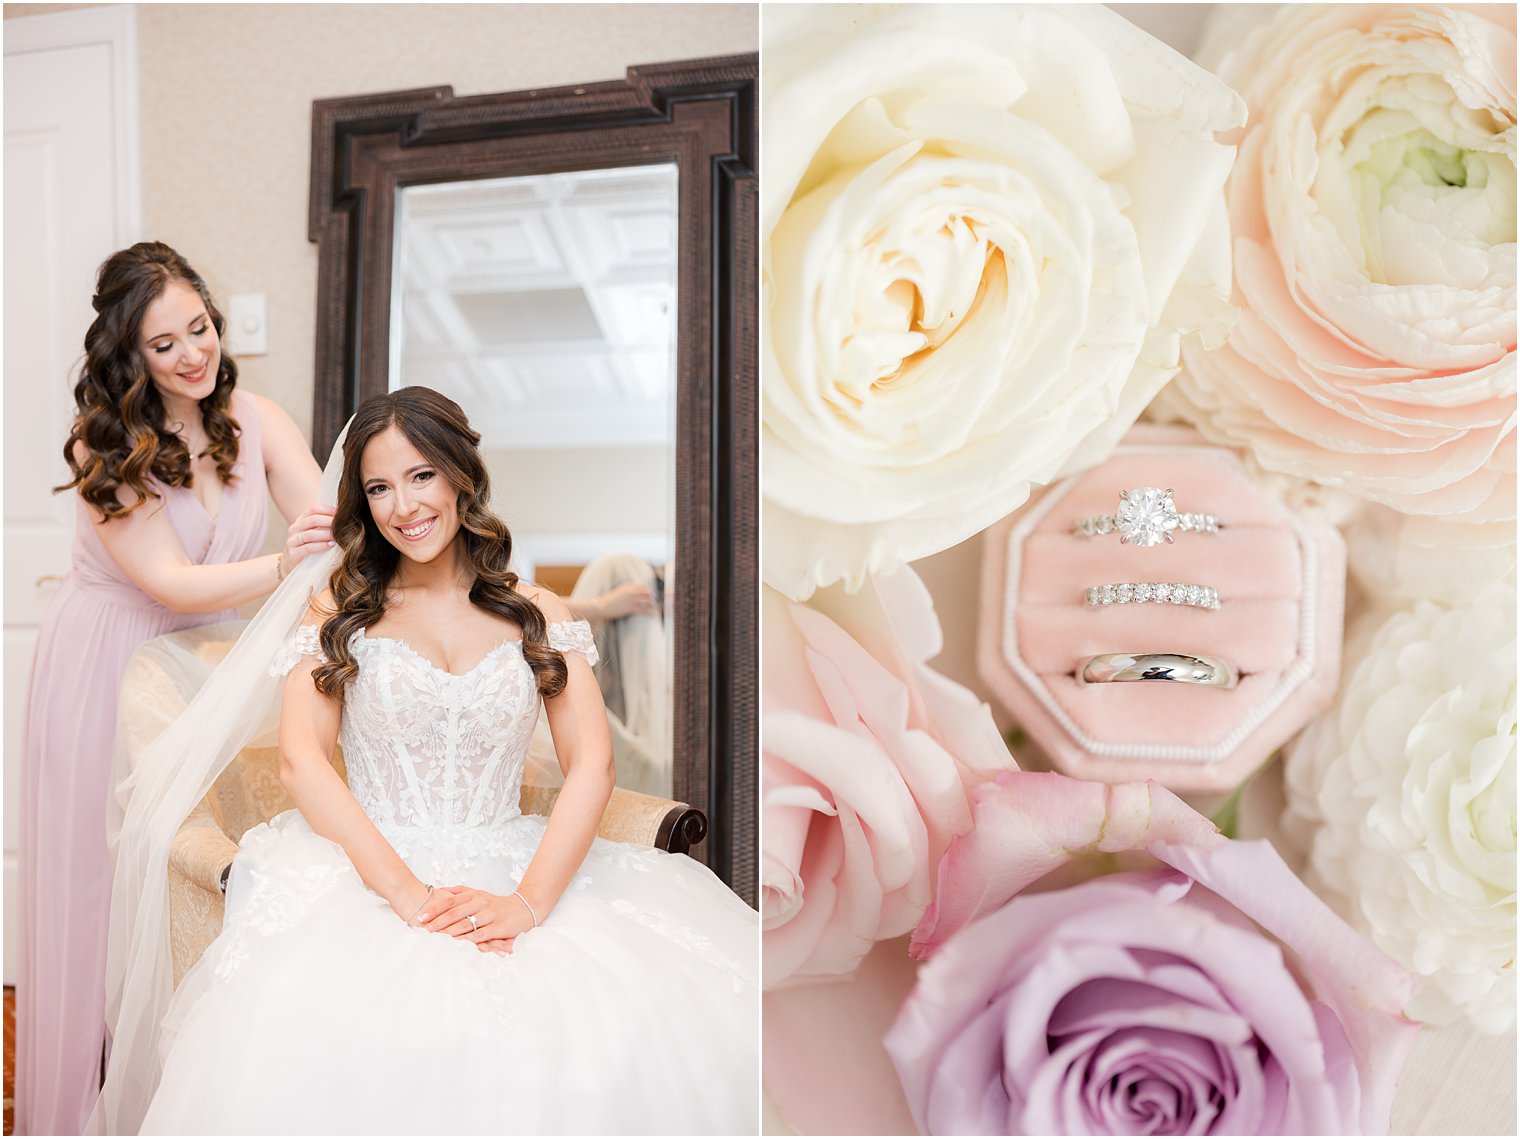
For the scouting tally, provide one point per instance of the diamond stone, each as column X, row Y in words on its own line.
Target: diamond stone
column 1146, row 516
column 1162, row 592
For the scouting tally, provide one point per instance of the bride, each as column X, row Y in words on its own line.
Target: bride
column 407, row 953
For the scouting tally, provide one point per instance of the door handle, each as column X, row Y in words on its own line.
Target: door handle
column 48, row 579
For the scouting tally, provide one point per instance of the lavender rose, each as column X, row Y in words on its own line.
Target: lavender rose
column 1211, row 994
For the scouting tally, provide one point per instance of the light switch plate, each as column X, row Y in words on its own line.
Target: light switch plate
column 247, row 324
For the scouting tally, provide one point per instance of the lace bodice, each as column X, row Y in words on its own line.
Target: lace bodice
column 429, row 748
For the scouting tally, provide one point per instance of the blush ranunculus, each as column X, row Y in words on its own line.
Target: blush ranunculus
column 1372, row 212
column 865, row 762
column 1209, row 994
column 985, row 231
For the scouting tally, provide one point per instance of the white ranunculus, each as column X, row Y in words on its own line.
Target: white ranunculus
column 1372, row 214
column 985, row 232
column 1407, row 791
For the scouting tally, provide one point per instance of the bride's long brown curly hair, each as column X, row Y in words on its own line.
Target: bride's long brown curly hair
column 436, row 426
column 119, row 415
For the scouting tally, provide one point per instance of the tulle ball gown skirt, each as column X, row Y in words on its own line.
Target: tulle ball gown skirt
column 632, row 1010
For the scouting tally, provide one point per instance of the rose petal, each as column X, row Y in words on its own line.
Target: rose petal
column 1027, row 824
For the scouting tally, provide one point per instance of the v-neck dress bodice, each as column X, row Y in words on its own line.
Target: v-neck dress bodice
column 236, row 533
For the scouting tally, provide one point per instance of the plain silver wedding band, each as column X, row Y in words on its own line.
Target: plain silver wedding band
column 1112, row 668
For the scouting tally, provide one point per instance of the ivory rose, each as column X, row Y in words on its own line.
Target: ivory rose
column 1406, row 792
column 1372, row 211
column 985, row 232
column 866, row 754
column 1207, row 993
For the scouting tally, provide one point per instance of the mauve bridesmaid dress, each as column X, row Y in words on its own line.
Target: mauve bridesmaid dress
column 95, row 622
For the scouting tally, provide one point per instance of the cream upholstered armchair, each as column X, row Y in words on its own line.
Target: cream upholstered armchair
column 249, row 792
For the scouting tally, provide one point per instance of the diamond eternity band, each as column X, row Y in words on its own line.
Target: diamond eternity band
column 1163, row 592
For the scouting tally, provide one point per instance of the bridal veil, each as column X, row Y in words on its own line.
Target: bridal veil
column 237, row 703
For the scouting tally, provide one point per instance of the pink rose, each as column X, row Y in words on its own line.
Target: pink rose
column 1210, row 994
column 866, row 755
column 1372, row 210
column 1030, row 823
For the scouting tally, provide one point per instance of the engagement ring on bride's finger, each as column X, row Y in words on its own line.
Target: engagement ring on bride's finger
column 1113, row 668
column 1146, row 517
column 1162, row 592
column 474, row 925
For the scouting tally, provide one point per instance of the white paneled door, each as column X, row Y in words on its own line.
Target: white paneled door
column 71, row 199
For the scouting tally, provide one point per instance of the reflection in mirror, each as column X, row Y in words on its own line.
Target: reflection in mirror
column 545, row 306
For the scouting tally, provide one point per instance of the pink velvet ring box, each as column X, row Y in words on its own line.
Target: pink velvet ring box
column 1280, row 579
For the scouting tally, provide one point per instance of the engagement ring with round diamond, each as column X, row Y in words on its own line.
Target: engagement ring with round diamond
column 1113, row 668
column 1163, row 592
column 1146, row 517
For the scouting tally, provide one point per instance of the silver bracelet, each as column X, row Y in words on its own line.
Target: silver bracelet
column 518, row 895
column 420, row 904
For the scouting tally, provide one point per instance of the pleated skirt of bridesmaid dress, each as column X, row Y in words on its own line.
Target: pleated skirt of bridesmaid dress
column 84, row 643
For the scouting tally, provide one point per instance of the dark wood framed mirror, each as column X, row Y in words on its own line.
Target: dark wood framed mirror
column 698, row 116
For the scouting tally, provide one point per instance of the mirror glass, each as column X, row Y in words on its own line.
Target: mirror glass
column 545, row 306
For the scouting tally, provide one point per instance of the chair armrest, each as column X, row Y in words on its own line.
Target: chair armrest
column 645, row 820
column 200, row 851
column 197, row 857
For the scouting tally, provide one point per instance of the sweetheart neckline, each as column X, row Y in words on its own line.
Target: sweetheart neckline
column 364, row 635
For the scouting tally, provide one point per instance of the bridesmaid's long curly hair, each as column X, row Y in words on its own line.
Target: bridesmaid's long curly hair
column 119, row 415
column 436, row 426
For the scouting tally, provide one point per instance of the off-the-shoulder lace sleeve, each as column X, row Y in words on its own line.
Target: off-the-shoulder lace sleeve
column 305, row 643
column 573, row 637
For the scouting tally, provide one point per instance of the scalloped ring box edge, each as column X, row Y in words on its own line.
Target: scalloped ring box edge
column 1284, row 573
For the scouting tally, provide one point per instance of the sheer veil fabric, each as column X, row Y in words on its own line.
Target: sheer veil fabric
column 636, row 657
column 238, row 702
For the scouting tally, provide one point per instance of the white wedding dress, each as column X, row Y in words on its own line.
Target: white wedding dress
column 633, row 1009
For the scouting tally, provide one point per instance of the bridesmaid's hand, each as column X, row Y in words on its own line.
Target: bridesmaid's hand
column 311, row 533
column 496, row 918
column 627, row 600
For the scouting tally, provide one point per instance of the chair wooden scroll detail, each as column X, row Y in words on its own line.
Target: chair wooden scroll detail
column 249, row 792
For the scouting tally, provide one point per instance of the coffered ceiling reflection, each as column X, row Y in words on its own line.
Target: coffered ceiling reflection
column 545, row 304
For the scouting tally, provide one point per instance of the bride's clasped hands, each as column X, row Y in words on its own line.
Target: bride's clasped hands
column 491, row 921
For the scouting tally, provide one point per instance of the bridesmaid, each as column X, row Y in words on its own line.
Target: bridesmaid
column 171, row 465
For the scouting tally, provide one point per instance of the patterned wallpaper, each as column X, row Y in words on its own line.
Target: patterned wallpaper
column 226, row 93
